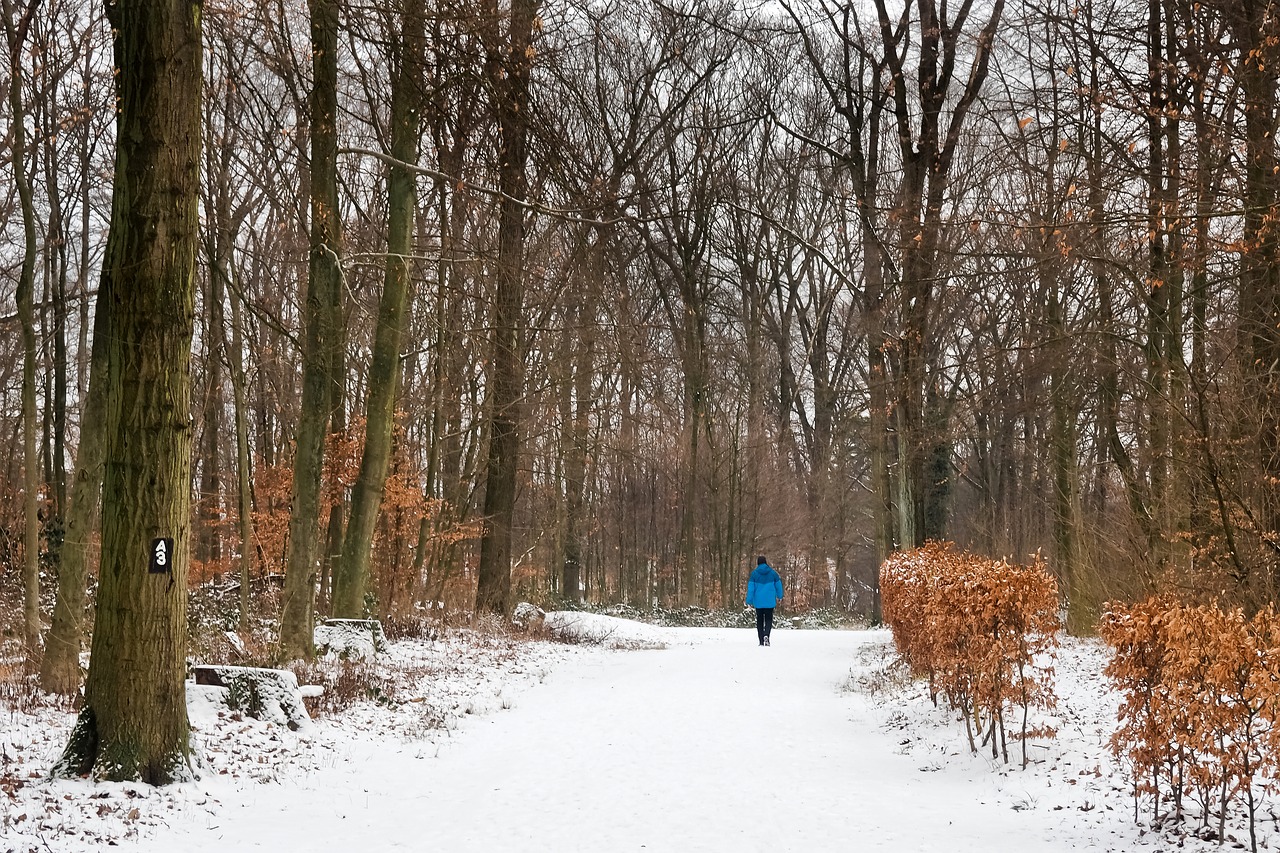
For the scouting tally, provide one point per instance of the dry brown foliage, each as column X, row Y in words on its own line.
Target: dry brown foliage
column 396, row 564
column 1201, row 697
column 273, row 493
column 982, row 631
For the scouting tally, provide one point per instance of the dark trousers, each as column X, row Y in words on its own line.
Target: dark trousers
column 764, row 622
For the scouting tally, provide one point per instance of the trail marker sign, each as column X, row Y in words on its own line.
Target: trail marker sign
column 161, row 556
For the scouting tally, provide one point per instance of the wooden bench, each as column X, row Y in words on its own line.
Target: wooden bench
column 272, row 695
column 350, row 639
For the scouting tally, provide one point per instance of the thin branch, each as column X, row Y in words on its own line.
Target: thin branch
column 565, row 215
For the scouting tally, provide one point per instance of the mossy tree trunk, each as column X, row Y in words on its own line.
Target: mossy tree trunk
column 133, row 725
column 60, row 668
column 351, row 580
column 297, row 620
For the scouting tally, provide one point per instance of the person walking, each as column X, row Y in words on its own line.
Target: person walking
column 764, row 591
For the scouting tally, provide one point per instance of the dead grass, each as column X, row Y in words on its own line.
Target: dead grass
column 345, row 683
column 414, row 627
column 881, row 670
column 20, row 691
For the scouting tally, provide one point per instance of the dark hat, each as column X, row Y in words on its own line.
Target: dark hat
column 761, row 561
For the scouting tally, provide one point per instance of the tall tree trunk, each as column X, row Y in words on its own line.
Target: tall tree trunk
column 220, row 266
column 1173, row 330
column 1157, row 295
column 693, row 362
column 133, row 724
column 575, row 464
column 244, row 475
column 324, row 283
column 928, row 132
column 1062, row 462
column 452, row 130
column 1260, row 259
column 508, row 64
column 384, row 370
column 56, row 265
column 17, row 23
column 1208, row 164
column 87, row 143
column 223, row 226
column 60, row 669
column 209, row 536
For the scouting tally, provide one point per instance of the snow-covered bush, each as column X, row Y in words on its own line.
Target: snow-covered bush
column 593, row 629
column 270, row 695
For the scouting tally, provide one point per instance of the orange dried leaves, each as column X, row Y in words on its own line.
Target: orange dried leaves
column 1200, row 690
column 983, row 632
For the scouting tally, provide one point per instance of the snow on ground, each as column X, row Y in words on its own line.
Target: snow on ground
column 422, row 694
column 672, row 739
column 599, row 630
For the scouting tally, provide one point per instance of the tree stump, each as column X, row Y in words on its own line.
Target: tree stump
column 528, row 617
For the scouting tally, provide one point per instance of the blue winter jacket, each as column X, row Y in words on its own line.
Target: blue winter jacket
column 764, row 588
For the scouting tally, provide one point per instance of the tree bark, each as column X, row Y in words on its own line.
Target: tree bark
column 133, row 725
column 209, row 507
column 508, row 64
column 244, row 487
column 352, row 577
column 56, row 257
column 927, row 133
column 578, row 427
column 17, row 23
column 297, row 619
column 1260, row 258
column 60, row 668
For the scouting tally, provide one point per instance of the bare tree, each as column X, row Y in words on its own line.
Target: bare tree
column 509, row 58
column 322, row 338
column 384, row 370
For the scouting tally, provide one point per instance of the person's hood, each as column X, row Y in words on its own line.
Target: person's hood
column 763, row 573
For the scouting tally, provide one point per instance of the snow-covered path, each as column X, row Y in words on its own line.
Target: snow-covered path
column 713, row 744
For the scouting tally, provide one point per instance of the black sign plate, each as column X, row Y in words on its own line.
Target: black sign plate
column 161, row 556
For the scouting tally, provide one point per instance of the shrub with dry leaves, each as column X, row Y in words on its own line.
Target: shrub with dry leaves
column 982, row 631
column 1200, row 691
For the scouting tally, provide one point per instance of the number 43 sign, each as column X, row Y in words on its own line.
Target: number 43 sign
column 161, row 556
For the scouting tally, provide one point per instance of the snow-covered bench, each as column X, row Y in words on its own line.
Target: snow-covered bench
column 272, row 695
column 350, row 639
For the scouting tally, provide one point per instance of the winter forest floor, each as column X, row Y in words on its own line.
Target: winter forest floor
column 682, row 739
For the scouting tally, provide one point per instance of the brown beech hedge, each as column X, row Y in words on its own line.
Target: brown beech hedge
column 1200, row 690
column 982, row 631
